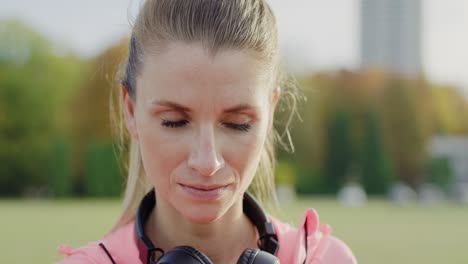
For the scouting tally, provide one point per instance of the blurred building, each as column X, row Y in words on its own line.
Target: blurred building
column 391, row 35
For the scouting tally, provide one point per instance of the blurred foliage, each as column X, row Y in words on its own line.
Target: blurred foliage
column 440, row 172
column 338, row 156
column 285, row 173
column 91, row 128
column 34, row 85
column 370, row 127
column 102, row 173
column 60, row 181
column 450, row 111
column 376, row 171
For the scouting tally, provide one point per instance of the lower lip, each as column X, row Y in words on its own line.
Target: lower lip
column 199, row 194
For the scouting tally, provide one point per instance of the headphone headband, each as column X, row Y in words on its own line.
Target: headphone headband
column 268, row 240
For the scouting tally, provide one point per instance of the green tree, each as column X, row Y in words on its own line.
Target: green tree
column 33, row 83
column 405, row 130
column 450, row 111
column 92, row 132
column 338, row 157
column 376, row 173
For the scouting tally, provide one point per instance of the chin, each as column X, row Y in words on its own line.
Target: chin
column 202, row 210
column 203, row 214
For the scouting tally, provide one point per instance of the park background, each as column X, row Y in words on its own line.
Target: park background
column 367, row 143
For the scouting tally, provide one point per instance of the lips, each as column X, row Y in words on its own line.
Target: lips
column 203, row 187
column 203, row 192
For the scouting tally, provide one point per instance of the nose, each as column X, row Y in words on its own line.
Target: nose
column 204, row 157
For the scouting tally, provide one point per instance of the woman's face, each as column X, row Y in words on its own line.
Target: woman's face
column 201, row 122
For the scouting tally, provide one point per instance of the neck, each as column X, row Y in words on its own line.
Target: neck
column 222, row 240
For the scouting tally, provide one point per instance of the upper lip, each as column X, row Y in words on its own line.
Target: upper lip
column 204, row 187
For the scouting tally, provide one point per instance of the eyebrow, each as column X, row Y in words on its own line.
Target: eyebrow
column 181, row 108
column 170, row 104
column 239, row 108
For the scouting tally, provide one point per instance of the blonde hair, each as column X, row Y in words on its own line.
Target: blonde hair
column 217, row 24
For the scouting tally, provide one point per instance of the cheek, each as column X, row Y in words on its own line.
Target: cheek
column 243, row 155
column 161, row 154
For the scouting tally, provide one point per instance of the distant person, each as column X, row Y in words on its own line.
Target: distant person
column 198, row 94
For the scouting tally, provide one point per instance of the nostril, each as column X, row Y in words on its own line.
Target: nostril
column 205, row 168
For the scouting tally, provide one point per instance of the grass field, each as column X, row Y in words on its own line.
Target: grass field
column 377, row 233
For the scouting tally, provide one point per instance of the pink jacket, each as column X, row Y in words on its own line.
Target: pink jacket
column 322, row 247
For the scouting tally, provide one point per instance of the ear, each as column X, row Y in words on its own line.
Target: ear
column 129, row 112
column 274, row 100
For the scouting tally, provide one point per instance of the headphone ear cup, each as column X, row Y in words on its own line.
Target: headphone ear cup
column 256, row 256
column 184, row 254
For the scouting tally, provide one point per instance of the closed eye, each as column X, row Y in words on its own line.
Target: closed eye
column 180, row 123
column 241, row 127
column 174, row 124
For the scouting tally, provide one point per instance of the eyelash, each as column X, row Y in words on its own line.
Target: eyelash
column 175, row 124
column 241, row 127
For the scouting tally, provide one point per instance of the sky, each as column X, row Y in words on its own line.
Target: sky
column 315, row 35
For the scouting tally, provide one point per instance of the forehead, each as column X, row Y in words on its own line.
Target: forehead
column 184, row 72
